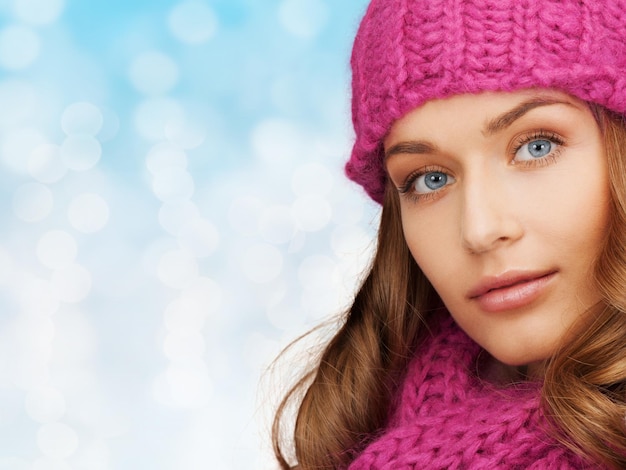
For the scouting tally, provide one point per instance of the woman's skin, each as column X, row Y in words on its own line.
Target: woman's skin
column 505, row 203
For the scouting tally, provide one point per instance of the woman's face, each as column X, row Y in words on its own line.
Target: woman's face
column 505, row 203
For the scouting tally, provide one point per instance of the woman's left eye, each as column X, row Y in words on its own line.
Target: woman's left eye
column 535, row 149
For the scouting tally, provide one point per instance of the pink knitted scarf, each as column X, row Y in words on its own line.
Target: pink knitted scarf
column 447, row 418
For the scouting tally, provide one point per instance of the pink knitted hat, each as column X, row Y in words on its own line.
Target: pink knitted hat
column 407, row 52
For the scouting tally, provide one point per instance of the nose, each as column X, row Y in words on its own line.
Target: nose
column 489, row 218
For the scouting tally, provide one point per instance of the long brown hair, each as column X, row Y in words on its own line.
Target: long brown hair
column 347, row 397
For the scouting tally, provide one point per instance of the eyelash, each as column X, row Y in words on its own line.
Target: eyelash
column 406, row 188
column 538, row 135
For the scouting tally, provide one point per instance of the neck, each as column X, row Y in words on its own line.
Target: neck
column 491, row 370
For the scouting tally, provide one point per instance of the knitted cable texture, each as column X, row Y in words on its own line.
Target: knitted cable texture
column 407, row 52
column 447, row 418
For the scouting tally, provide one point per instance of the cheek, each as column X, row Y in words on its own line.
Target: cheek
column 577, row 213
column 433, row 242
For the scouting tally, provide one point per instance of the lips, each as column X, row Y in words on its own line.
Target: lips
column 511, row 290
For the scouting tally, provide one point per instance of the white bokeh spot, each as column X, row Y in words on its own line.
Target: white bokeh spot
column 303, row 18
column 317, row 272
column 277, row 225
column 153, row 73
column 57, row 440
column 243, row 215
column 312, row 213
column 192, row 22
column 186, row 133
column 45, row 404
column 46, row 165
column 176, row 214
column 183, row 344
column 262, row 263
column 71, row 283
column 172, row 184
column 19, row 47
column 165, row 155
column 154, row 115
column 82, row 118
column 37, row 296
column 199, row 236
column 48, row 463
column 277, row 141
column 185, row 314
column 7, row 265
column 312, row 179
column 88, row 213
column 56, row 249
column 177, row 269
column 19, row 101
column 32, row 202
column 206, row 292
column 39, row 12
column 80, row 152
column 18, row 144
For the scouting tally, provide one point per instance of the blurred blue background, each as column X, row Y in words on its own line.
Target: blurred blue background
column 173, row 213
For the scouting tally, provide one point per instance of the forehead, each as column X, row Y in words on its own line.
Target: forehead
column 475, row 110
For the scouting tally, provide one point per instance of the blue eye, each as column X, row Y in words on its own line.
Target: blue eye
column 431, row 181
column 537, row 148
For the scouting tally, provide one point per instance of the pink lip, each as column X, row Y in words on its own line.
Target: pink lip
column 511, row 290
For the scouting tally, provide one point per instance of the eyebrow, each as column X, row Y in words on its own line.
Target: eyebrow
column 492, row 126
column 507, row 118
column 411, row 147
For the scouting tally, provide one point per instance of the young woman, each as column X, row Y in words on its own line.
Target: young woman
column 490, row 331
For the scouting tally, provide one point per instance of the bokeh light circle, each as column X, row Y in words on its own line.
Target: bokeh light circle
column 189, row 385
column 39, row 12
column 204, row 291
column 6, row 266
column 192, row 22
column 88, row 213
column 173, row 183
column 244, row 213
column 18, row 145
column 165, row 155
column 45, row 404
column 312, row 213
column 175, row 214
column 182, row 344
column 71, row 283
column 46, row 165
column 303, row 18
column 277, row 141
column 80, row 152
column 177, row 269
column 186, row 133
column 19, row 101
column 37, row 296
column 32, row 202
column 185, row 314
column 262, row 263
column 200, row 237
column 48, row 463
column 56, row 249
column 14, row 463
column 154, row 115
column 312, row 179
column 19, row 47
column 57, row 440
column 153, row 73
column 277, row 225
column 82, row 118
column 316, row 272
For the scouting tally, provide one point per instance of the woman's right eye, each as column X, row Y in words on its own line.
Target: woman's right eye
column 429, row 182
